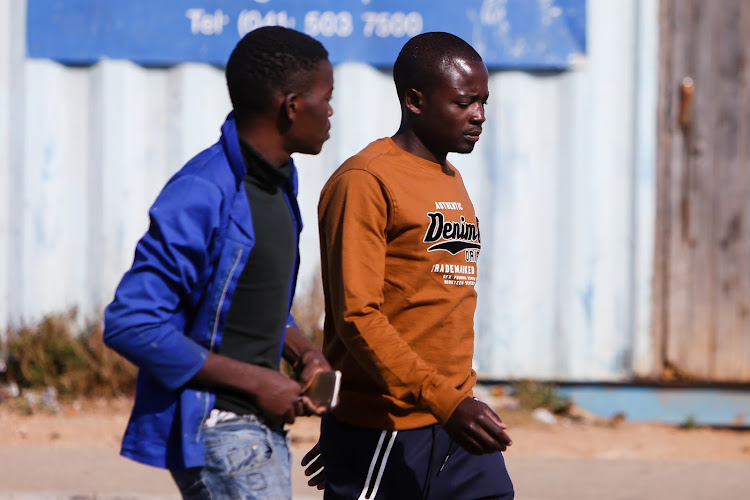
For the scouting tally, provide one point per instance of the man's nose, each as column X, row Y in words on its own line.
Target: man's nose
column 478, row 116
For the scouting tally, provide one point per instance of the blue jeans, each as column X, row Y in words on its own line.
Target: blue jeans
column 244, row 459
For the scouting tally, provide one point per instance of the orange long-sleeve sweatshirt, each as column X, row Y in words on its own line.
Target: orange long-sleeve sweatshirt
column 399, row 243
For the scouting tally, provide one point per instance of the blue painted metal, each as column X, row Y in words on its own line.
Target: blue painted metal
column 542, row 34
column 691, row 405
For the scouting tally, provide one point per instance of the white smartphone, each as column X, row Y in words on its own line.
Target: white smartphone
column 324, row 388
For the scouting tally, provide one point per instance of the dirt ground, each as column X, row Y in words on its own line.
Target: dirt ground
column 73, row 454
column 99, row 424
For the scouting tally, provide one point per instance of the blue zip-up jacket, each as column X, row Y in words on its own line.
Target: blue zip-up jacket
column 170, row 307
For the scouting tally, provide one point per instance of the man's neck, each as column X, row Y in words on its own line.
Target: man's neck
column 407, row 140
column 266, row 141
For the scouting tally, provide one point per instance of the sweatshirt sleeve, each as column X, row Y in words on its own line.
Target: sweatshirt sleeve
column 353, row 224
column 169, row 260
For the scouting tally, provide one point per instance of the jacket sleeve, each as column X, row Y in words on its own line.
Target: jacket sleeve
column 290, row 321
column 353, row 217
column 168, row 263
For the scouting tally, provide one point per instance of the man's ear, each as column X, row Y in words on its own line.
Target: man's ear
column 290, row 104
column 414, row 101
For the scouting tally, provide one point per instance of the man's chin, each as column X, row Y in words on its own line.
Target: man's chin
column 466, row 149
column 312, row 150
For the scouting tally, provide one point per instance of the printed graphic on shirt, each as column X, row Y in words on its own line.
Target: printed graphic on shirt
column 448, row 205
column 456, row 275
column 452, row 234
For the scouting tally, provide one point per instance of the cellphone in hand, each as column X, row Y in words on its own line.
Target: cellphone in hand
column 323, row 389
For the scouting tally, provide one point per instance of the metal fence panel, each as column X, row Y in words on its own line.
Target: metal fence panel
column 562, row 179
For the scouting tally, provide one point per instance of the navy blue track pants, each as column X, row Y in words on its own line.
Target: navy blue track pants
column 416, row 464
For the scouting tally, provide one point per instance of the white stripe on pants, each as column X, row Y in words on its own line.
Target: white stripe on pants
column 381, row 469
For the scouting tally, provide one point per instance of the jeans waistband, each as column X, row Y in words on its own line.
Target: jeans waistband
column 220, row 416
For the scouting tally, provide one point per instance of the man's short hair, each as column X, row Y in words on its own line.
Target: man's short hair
column 424, row 58
column 268, row 61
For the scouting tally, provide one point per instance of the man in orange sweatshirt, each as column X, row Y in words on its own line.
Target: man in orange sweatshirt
column 400, row 243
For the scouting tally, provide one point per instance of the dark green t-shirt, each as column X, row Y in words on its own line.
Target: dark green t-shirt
column 257, row 315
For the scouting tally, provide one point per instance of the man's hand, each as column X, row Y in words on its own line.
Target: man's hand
column 476, row 428
column 275, row 394
column 313, row 458
column 304, row 356
column 309, row 363
column 279, row 402
column 306, row 360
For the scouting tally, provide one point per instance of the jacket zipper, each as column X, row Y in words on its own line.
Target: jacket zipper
column 213, row 334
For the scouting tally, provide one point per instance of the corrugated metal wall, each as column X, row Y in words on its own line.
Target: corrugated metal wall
column 563, row 182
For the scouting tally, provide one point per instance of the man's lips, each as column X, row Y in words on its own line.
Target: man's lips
column 473, row 134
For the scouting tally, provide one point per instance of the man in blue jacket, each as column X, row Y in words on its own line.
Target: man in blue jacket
column 204, row 309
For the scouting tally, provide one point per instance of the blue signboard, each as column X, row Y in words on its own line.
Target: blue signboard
column 526, row 34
